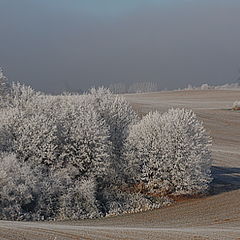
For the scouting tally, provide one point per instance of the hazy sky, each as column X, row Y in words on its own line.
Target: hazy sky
column 57, row 45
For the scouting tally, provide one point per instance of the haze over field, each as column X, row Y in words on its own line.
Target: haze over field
column 71, row 45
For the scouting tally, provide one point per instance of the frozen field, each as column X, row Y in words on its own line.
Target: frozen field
column 214, row 217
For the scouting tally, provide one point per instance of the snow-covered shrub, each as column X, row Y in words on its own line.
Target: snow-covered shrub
column 117, row 201
column 17, row 188
column 78, row 200
column 169, row 153
column 42, row 194
column 26, row 193
column 49, row 190
column 236, row 105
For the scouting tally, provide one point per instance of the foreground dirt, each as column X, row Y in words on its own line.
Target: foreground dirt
column 213, row 217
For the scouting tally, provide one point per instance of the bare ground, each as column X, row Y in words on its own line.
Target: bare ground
column 216, row 216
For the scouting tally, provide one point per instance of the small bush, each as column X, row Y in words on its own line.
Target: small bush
column 17, row 188
column 79, row 200
column 117, row 201
column 236, row 105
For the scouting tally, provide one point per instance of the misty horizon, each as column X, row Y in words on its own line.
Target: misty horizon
column 73, row 45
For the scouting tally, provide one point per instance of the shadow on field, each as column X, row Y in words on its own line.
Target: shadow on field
column 225, row 179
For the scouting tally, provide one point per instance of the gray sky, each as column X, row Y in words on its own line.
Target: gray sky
column 57, row 45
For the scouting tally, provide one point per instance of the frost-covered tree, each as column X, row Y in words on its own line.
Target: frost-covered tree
column 118, row 88
column 37, row 140
column 21, row 95
column 142, row 87
column 170, row 153
column 57, row 131
column 85, row 140
column 30, row 133
column 118, row 115
column 15, row 94
column 28, row 193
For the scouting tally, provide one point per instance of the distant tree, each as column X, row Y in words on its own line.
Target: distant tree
column 118, row 88
column 190, row 87
column 141, row 87
column 170, row 153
